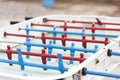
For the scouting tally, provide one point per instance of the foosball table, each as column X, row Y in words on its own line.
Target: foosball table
column 61, row 47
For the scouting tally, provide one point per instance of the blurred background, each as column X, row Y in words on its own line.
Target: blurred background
column 19, row 9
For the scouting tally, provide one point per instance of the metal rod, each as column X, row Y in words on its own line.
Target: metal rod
column 66, row 32
column 84, row 22
column 77, row 27
column 50, row 46
column 31, row 64
column 105, row 74
column 110, row 53
column 63, row 38
column 43, row 55
column 52, row 31
column 11, row 42
column 116, row 53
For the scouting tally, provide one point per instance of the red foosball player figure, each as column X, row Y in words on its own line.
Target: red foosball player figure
column 82, row 57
